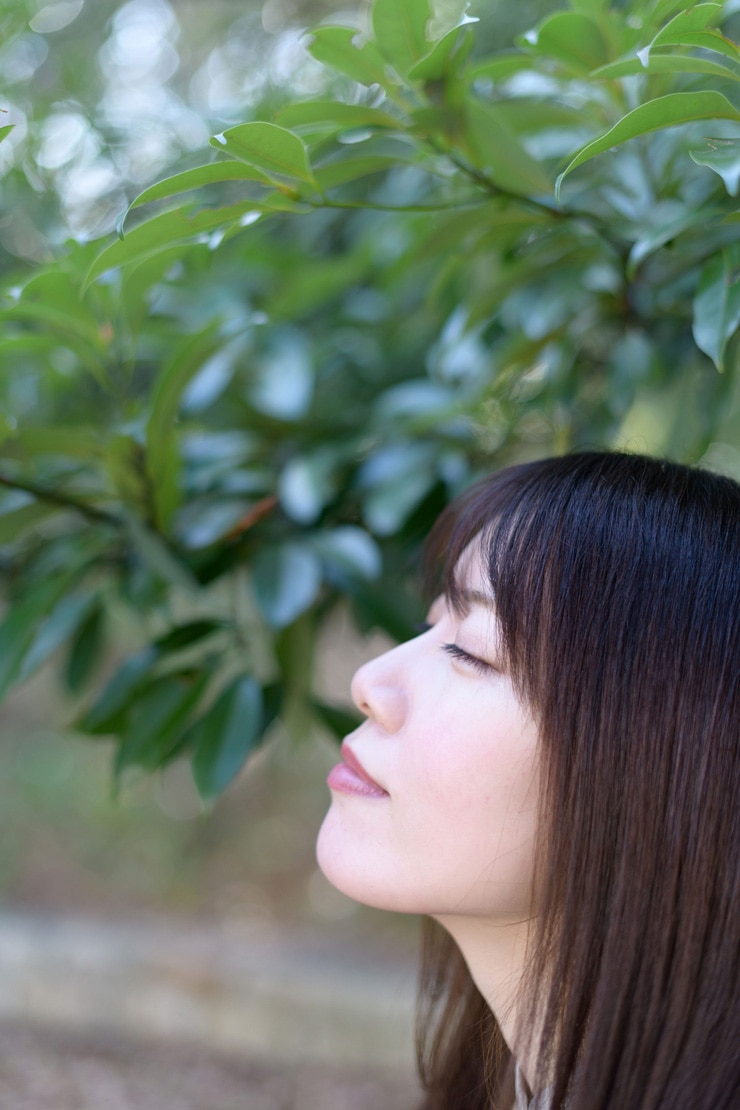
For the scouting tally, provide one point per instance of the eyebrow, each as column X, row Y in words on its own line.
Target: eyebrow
column 475, row 597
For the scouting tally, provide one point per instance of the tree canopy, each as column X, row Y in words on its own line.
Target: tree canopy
column 441, row 248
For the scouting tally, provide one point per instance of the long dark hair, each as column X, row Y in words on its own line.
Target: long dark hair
column 617, row 585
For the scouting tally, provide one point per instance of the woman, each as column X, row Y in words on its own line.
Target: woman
column 551, row 773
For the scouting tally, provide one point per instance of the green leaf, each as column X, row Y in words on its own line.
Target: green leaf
column 5, row 131
column 665, row 111
column 722, row 156
column 717, row 306
column 156, row 719
column 447, row 57
column 72, row 442
column 225, row 736
column 689, row 28
column 18, row 522
column 665, row 63
column 333, row 174
column 498, row 67
column 497, row 150
column 668, row 222
column 85, row 650
column 164, row 231
column 197, row 178
column 337, row 47
column 58, row 627
column 571, row 38
column 286, row 581
column 183, row 636
column 273, row 150
column 399, row 27
column 337, row 719
column 161, row 442
column 20, row 626
column 336, row 113
column 159, row 557
column 108, row 710
column 125, row 463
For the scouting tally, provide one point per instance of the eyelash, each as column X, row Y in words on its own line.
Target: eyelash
column 458, row 653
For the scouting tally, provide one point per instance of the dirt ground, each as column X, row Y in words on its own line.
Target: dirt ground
column 49, row 1070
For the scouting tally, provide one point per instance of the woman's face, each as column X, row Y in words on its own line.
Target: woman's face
column 455, row 751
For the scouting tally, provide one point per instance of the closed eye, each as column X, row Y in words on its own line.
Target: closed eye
column 465, row 657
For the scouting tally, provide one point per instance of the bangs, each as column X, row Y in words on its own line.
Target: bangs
column 583, row 551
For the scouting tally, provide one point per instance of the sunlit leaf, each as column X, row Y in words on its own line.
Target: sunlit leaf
column 690, row 28
column 212, row 174
column 722, row 156
column 338, row 48
column 272, row 150
column 336, row 113
column 573, row 39
column 666, row 63
column 666, row 111
column 400, row 31
column 163, row 231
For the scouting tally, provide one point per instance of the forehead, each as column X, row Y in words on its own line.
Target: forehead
column 470, row 578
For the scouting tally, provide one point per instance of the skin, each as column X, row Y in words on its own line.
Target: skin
column 456, row 750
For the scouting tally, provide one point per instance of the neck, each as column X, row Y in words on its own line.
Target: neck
column 494, row 952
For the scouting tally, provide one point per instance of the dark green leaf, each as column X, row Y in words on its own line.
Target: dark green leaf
column 58, row 627
column 717, row 306
column 159, row 558
column 108, row 710
column 161, row 442
column 85, row 650
column 156, row 719
column 225, row 735
column 286, row 581
column 185, row 635
column 20, row 626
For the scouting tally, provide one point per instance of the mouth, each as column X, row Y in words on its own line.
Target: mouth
column 350, row 777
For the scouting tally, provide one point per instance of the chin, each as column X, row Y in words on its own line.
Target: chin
column 352, row 875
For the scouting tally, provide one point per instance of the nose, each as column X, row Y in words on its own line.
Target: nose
column 380, row 692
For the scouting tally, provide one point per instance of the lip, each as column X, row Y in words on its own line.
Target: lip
column 350, row 777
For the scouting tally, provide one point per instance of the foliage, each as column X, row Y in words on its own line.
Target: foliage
column 248, row 408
